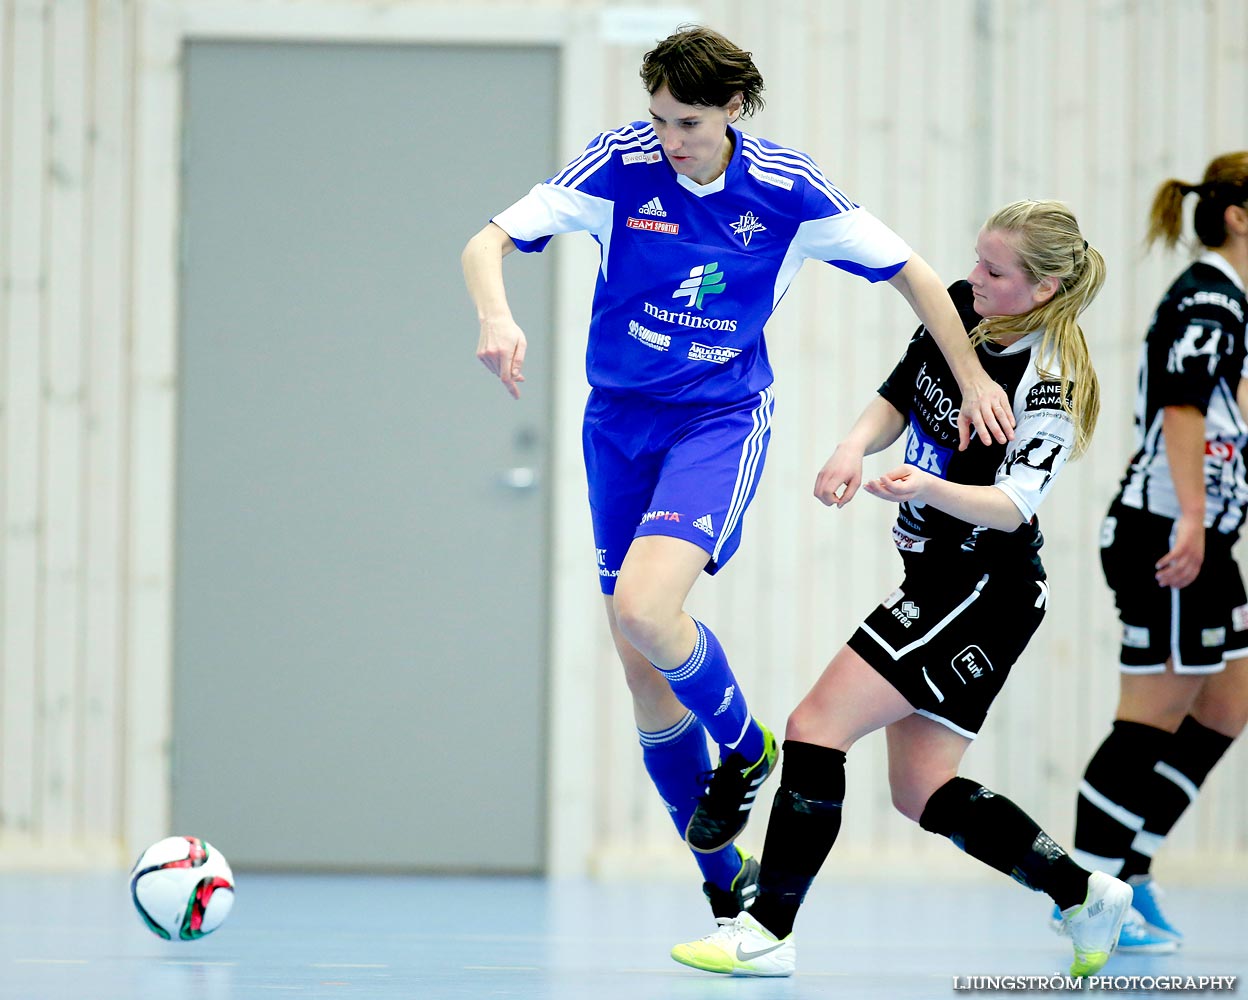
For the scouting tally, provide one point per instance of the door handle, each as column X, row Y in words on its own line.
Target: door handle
column 520, row 478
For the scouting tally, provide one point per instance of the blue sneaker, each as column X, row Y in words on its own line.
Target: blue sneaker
column 1147, row 897
column 1140, row 938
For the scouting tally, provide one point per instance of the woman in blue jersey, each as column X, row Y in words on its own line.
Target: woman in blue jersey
column 702, row 227
column 928, row 662
column 1166, row 551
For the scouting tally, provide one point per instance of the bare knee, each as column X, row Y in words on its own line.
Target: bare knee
column 911, row 793
column 1226, row 717
column 641, row 617
column 909, row 801
column 803, row 724
column 1157, row 700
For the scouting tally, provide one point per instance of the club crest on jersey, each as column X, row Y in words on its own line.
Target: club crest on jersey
column 703, row 280
column 747, row 226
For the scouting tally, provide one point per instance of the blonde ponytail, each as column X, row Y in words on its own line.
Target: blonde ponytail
column 1046, row 237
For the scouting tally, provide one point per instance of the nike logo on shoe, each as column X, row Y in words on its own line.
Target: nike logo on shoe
column 749, row 956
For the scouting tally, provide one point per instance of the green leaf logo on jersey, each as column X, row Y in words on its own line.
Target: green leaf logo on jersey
column 703, row 280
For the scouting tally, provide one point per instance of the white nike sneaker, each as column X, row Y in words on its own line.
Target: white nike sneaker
column 1094, row 924
column 741, row 947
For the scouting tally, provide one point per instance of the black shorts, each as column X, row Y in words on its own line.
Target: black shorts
column 1197, row 628
column 947, row 642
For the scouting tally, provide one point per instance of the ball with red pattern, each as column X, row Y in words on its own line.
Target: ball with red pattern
column 182, row 887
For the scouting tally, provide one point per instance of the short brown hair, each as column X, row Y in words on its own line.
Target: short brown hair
column 701, row 67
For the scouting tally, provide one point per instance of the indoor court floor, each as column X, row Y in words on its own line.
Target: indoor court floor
column 76, row 937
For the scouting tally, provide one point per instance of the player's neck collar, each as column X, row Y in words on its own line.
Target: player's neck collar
column 1215, row 259
column 718, row 184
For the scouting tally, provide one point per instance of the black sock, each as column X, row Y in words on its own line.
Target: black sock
column 805, row 819
column 1114, row 794
column 994, row 830
column 1190, row 755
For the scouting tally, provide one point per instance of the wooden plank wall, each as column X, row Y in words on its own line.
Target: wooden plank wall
column 931, row 113
column 66, row 129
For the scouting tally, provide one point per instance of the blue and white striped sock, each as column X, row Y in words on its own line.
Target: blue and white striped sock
column 705, row 685
column 676, row 758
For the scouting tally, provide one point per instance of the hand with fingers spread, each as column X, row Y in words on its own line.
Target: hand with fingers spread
column 1181, row 565
column 501, row 349
column 986, row 413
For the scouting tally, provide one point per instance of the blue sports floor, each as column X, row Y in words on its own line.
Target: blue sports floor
column 76, row 937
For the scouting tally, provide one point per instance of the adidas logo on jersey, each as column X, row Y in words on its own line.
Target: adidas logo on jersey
column 704, row 523
column 653, row 207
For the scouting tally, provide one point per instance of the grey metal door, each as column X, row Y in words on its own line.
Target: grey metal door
column 361, row 573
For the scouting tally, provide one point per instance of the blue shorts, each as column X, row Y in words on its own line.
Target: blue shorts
column 683, row 471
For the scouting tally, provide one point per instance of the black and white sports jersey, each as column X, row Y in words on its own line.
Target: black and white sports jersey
column 1194, row 355
column 923, row 389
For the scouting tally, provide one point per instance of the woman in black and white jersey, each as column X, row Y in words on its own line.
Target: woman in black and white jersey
column 1166, row 551
column 927, row 663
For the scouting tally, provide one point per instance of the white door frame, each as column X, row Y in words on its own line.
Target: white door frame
column 164, row 27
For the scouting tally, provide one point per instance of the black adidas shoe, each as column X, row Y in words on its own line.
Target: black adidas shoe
column 722, row 811
column 727, row 903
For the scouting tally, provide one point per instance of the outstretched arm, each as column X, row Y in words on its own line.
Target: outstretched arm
column 986, row 409
column 502, row 343
column 986, row 505
column 879, row 426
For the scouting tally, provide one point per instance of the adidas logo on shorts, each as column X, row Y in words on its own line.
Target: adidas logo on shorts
column 653, row 207
column 704, row 522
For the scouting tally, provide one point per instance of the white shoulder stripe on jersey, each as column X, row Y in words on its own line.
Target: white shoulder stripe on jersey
column 812, row 177
column 756, row 144
column 600, row 152
column 747, row 468
column 586, row 165
column 795, row 167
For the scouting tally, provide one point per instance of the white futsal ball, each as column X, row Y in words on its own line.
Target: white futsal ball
column 182, row 887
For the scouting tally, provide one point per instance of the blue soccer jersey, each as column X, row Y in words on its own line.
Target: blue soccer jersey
column 691, row 273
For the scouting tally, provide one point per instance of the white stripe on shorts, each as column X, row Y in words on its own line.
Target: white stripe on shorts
column 897, row 654
column 1152, row 668
column 747, row 469
column 946, row 723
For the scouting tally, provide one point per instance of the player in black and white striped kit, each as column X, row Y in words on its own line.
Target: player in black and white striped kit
column 927, row 663
column 1166, row 551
